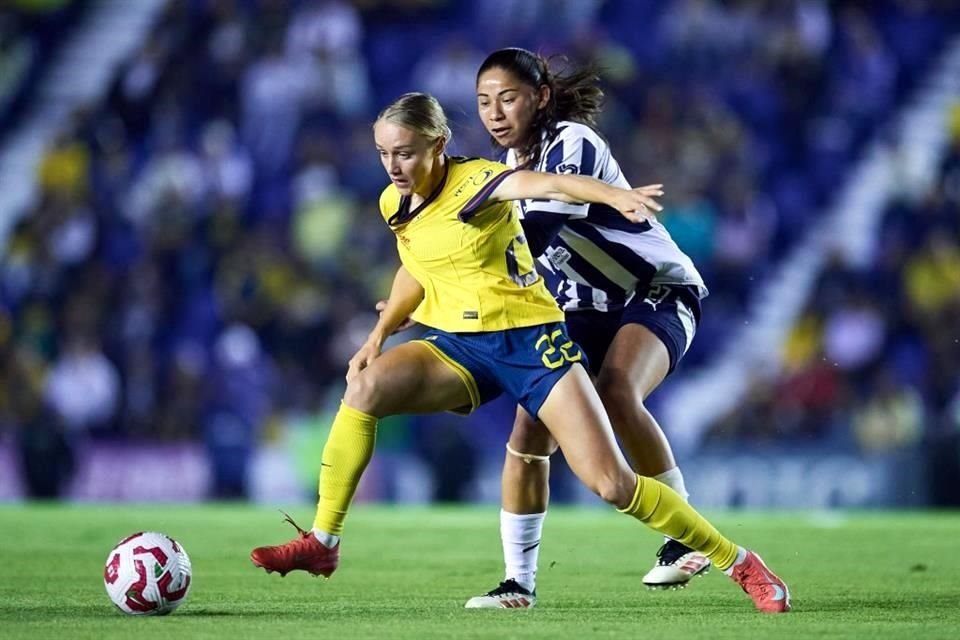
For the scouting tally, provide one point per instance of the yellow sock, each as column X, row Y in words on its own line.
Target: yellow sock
column 345, row 456
column 661, row 508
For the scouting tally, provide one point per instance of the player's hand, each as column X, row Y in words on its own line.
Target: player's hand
column 403, row 326
column 638, row 205
column 369, row 352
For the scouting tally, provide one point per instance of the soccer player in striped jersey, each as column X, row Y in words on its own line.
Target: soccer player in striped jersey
column 631, row 297
column 468, row 274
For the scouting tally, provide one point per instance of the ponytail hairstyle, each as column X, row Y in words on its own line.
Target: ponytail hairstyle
column 422, row 114
column 574, row 94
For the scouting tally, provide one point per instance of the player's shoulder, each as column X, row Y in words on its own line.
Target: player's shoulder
column 470, row 181
column 467, row 165
column 477, row 171
column 389, row 200
column 570, row 131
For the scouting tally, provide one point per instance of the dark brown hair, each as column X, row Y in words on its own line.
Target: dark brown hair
column 574, row 94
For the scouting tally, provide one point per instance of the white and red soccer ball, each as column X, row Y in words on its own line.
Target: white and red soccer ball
column 147, row 573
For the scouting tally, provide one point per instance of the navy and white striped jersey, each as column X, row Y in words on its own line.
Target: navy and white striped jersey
column 599, row 260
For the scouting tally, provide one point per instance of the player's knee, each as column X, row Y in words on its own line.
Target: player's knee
column 618, row 395
column 615, row 488
column 532, row 438
column 364, row 392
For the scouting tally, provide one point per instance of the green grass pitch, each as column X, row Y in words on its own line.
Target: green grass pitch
column 405, row 573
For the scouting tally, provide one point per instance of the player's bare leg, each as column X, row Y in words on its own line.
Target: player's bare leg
column 525, row 478
column 638, row 356
column 574, row 415
column 406, row 379
column 525, row 494
column 526, row 488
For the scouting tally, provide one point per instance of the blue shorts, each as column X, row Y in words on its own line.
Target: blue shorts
column 670, row 312
column 523, row 363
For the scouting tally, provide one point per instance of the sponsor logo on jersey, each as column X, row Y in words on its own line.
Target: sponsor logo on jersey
column 558, row 257
column 475, row 180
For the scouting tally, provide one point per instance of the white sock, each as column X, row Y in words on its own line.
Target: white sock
column 673, row 478
column 520, row 535
column 326, row 539
column 741, row 556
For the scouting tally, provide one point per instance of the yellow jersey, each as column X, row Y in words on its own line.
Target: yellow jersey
column 469, row 254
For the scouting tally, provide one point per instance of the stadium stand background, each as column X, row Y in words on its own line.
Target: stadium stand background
column 204, row 254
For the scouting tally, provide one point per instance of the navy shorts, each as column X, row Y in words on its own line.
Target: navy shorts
column 670, row 312
column 523, row 363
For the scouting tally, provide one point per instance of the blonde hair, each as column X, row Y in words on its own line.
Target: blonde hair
column 421, row 113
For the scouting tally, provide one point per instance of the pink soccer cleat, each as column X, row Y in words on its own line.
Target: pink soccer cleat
column 769, row 593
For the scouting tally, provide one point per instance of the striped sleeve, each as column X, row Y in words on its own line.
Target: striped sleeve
column 573, row 154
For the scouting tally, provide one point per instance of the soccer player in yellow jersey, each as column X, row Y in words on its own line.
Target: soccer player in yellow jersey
column 468, row 274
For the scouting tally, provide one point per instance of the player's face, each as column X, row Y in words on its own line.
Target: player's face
column 507, row 106
column 408, row 157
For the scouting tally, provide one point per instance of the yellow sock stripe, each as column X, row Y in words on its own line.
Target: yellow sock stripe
column 634, row 504
column 457, row 368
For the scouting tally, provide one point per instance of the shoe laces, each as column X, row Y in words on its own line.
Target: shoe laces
column 304, row 539
column 509, row 586
column 671, row 551
column 300, row 530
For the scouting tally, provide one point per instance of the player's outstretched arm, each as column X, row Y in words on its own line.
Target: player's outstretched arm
column 636, row 205
column 405, row 296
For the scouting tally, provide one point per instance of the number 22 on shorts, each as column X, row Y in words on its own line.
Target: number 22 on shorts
column 569, row 352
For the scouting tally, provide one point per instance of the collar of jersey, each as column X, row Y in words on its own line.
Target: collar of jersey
column 546, row 140
column 404, row 214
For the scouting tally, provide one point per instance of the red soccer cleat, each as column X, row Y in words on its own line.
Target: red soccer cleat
column 305, row 553
column 769, row 593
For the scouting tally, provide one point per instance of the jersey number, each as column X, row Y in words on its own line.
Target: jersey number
column 521, row 278
column 569, row 352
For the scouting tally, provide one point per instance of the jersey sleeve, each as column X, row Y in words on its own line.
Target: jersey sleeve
column 481, row 182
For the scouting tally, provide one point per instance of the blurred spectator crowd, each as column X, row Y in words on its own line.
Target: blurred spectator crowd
column 873, row 363
column 205, row 253
column 29, row 30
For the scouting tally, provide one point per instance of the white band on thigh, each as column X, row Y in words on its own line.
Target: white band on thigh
column 527, row 457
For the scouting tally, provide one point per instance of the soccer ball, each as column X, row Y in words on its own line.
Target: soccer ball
column 147, row 573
